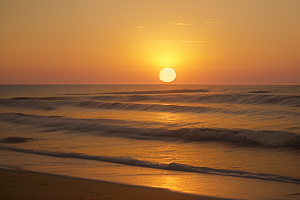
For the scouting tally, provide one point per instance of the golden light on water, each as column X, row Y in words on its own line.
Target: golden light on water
column 167, row 75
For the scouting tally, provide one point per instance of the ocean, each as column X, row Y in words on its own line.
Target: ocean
column 239, row 142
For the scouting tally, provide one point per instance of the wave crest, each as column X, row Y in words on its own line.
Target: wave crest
column 170, row 166
column 174, row 96
column 266, row 138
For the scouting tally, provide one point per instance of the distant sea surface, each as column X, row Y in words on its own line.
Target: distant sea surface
column 238, row 142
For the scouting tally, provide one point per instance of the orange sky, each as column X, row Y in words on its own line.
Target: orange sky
column 130, row 41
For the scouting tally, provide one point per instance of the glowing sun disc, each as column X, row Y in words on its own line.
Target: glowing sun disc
column 167, row 75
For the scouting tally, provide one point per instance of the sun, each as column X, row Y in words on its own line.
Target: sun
column 167, row 75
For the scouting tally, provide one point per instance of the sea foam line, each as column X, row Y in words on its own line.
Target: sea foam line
column 170, row 166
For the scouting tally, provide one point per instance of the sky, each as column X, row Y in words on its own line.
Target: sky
column 130, row 41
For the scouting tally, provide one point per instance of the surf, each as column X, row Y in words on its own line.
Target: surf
column 169, row 166
column 109, row 127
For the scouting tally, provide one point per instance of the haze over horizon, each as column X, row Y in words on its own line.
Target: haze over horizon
column 129, row 42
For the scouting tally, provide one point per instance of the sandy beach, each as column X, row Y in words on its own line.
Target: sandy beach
column 25, row 185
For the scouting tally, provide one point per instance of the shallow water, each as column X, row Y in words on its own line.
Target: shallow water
column 180, row 137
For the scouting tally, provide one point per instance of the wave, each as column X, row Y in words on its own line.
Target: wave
column 260, row 91
column 39, row 98
column 149, row 107
column 113, row 128
column 146, row 107
column 171, row 166
column 258, row 97
column 254, row 98
column 286, row 100
column 146, row 92
column 160, row 91
column 11, row 140
column 32, row 104
column 45, row 105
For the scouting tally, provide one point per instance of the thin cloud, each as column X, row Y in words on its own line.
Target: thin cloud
column 212, row 22
column 141, row 27
column 182, row 24
column 180, row 41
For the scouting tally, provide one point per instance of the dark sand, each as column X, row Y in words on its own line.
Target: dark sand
column 23, row 185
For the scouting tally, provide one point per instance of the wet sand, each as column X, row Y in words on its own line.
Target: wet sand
column 17, row 184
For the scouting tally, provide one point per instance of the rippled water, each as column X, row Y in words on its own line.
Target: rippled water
column 245, row 133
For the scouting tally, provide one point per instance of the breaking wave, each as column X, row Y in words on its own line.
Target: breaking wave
column 171, row 166
column 112, row 128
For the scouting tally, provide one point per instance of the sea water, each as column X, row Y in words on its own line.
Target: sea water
column 238, row 142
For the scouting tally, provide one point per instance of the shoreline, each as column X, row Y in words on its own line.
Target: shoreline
column 21, row 184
